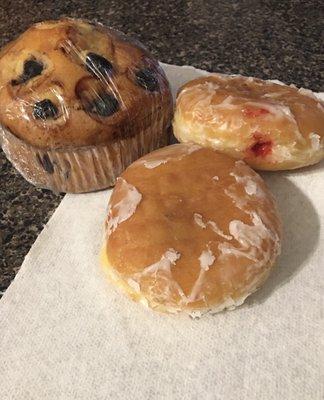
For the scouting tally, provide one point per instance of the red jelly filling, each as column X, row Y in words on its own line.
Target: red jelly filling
column 261, row 148
column 254, row 112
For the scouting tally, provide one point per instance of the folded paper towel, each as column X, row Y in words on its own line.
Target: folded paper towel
column 66, row 333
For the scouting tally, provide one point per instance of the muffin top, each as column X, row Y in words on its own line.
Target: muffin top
column 71, row 83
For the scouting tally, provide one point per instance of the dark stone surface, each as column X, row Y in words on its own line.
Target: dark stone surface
column 268, row 39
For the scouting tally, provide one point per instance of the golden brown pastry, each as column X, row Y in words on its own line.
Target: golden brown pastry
column 78, row 103
column 190, row 229
column 270, row 126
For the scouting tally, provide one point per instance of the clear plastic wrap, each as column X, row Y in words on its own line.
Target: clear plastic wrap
column 79, row 102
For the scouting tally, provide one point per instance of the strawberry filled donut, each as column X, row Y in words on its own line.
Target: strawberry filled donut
column 268, row 125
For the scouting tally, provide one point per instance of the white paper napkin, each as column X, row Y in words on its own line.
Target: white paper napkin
column 67, row 333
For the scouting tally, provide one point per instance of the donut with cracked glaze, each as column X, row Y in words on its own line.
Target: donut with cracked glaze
column 190, row 230
column 268, row 125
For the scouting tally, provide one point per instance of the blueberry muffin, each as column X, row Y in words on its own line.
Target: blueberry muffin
column 79, row 102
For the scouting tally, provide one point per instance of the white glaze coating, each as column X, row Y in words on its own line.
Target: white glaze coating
column 186, row 150
column 250, row 239
column 206, row 259
column 154, row 163
column 315, row 141
column 134, row 285
column 168, row 259
column 161, row 271
column 249, row 235
column 217, row 230
column 198, row 218
column 307, row 92
column 227, row 304
column 125, row 208
column 250, row 184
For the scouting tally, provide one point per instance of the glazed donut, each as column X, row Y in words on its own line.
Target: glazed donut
column 190, row 229
column 268, row 125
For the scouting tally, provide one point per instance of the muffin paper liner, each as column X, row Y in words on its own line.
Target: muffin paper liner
column 82, row 169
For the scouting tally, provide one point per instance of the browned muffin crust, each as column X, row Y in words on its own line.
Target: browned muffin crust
column 70, row 83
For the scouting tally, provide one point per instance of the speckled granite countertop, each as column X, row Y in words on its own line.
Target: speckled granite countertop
column 268, row 39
